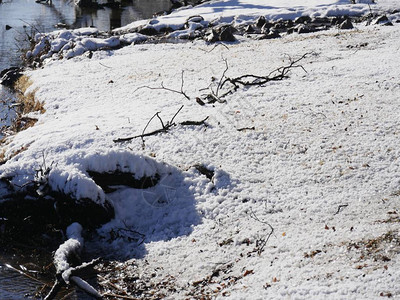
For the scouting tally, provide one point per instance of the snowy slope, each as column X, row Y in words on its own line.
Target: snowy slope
column 304, row 203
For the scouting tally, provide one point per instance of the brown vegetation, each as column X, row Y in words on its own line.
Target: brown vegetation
column 27, row 103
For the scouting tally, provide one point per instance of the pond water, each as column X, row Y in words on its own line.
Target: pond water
column 19, row 18
column 26, row 16
column 14, row 285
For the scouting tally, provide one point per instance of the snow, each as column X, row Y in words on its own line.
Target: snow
column 242, row 11
column 320, row 167
column 72, row 246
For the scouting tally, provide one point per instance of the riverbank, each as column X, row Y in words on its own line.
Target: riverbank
column 265, row 186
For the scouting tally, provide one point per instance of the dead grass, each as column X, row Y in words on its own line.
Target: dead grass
column 27, row 101
column 2, row 156
column 382, row 248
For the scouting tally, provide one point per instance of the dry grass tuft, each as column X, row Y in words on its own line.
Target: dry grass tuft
column 2, row 156
column 27, row 101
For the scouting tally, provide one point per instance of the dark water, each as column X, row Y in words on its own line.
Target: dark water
column 14, row 285
column 26, row 16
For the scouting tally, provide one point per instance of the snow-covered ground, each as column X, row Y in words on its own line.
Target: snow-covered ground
column 304, row 201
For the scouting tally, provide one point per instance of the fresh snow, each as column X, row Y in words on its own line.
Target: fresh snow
column 320, row 168
column 72, row 246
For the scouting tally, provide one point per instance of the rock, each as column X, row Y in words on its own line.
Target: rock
column 321, row 21
column 266, row 27
column 301, row 28
column 283, row 25
column 9, row 76
column 347, row 24
column 249, row 29
column 382, row 20
column 148, row 30
column 273, row 34
column 222, row 33
column 212, row 36
column 226, row 34
column 195, row 19
column 338, row 20
column 302, row 20
column 8, row 27
column 166, row 29
column 261, row 21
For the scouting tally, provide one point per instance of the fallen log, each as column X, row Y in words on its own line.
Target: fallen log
column 64, row 257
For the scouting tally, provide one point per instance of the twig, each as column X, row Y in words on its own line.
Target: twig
column 32, row 26
column 105, row 65
column 195, row 123
column 340, row 207
column 219, row 44
column 222, row 77
column 165, row 127
column 246, row 128
column 172, row 120
column 166, row 88
column 252, row 80
column 156, row 114
column 260, row 244
column 108, row 282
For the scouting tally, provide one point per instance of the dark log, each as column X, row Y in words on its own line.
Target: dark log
column 107, row 180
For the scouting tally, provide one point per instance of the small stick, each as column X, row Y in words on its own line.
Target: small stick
column 340, row 207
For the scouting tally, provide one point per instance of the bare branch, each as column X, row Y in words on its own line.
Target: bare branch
column 261, row 243
column 223, row 76
column 165, row 127
column 340, row 208
column 252, row 80
column 196, row 123
column 246, row 128
column 161, row 121
column 212, row 49
column 181, row 92
column 179, row 110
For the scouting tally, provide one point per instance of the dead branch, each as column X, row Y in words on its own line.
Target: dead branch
column 212, row 49
column 195, row 123
column 246, row 128
column 261, row 243
column 165, row 127
column 181, row 92
column 340, row 208
column 220, row 84
column 252, row 80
